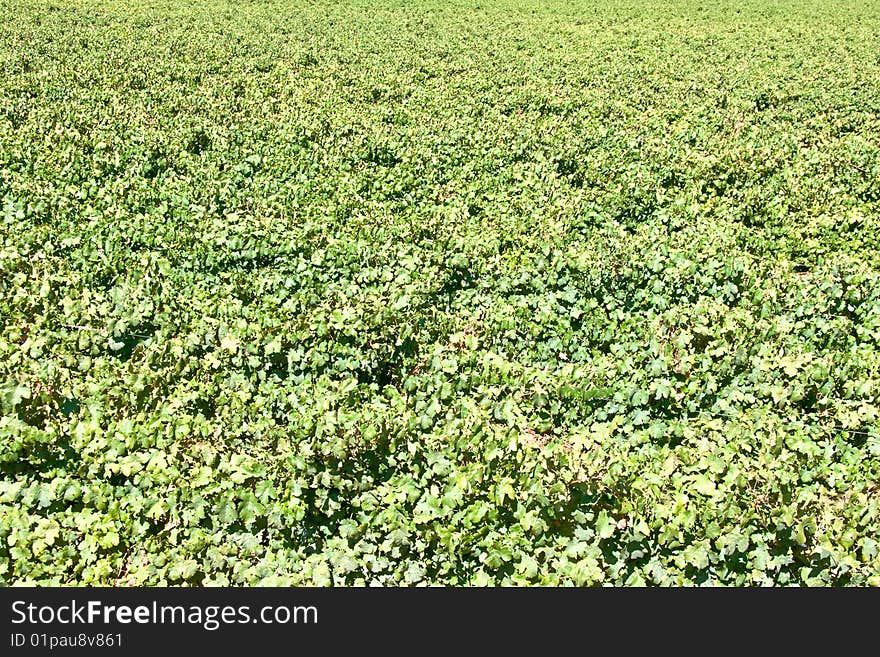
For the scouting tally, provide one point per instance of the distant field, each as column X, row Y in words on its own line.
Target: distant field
column 430, row 292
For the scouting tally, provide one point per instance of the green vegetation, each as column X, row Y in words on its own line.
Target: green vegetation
column 407, row 292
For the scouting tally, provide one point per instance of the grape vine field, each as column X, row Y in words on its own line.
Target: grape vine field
column 456, row 292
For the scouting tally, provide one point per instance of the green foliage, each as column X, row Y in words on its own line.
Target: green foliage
column 413, row 293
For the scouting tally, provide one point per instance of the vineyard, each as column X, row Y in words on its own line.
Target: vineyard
column 456, row 292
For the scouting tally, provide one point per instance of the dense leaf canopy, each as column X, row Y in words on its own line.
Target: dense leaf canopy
column 474, row 292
